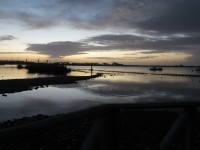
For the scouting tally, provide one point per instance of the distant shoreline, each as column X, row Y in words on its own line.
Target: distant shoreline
column 93, row 64
column 133, row 65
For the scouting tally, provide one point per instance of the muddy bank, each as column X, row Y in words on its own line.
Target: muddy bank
column 18, row 85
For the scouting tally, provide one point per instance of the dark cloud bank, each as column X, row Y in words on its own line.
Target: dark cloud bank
column 168, row 16
column 57, row 49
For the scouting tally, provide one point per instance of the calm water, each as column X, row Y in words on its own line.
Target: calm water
column 11, row 72
column 111, row 88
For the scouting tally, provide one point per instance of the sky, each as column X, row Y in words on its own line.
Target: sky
column 142, row 32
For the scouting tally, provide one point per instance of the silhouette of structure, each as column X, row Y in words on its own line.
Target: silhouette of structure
column 111, row 127
column 46, row 68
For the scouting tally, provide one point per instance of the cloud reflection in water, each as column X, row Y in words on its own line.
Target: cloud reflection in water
column 118, row 88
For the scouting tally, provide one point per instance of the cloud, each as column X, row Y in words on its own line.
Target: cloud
column 133, row 42
column 103, row 58
column 180, row 16
column 27, row 19
column 194, row 59
column 159, row 16
column 52, row 13
column 58, row 49
column 140, row 57
column 110, row 42
column 7, row 38
column 158, row 25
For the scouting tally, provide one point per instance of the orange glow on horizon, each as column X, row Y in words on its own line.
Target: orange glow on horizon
column 124, row 57
column 130, row 57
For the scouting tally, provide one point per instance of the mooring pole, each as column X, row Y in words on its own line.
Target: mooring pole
column 91, row 69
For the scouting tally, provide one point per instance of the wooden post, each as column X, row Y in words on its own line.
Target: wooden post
column 91, row 69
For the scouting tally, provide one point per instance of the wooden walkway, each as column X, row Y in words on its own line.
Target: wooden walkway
column 104, row 133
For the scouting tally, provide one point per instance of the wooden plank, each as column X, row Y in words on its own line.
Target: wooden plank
column 173, row 131
column 94, row 133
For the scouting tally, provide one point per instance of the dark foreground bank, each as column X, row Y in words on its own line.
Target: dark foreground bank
column 18, row 85
column 128, row 128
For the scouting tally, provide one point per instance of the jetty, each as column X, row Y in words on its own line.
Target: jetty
column 141, row 126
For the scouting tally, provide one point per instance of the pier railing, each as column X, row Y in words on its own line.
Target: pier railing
column 105, row 132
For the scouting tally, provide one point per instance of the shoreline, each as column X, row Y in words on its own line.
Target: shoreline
column 15, row 85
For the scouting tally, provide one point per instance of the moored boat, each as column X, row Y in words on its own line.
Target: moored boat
column 20, row 66
column 154, row 68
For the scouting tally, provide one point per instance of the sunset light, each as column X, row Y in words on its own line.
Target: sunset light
column 99, row 74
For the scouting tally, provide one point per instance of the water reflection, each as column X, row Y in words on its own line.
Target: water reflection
column 110, row 88
column 51, row 100
column 146, row 78
column 151, row 89
column 170, row 70
column 79, row 73
column 11, row 72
